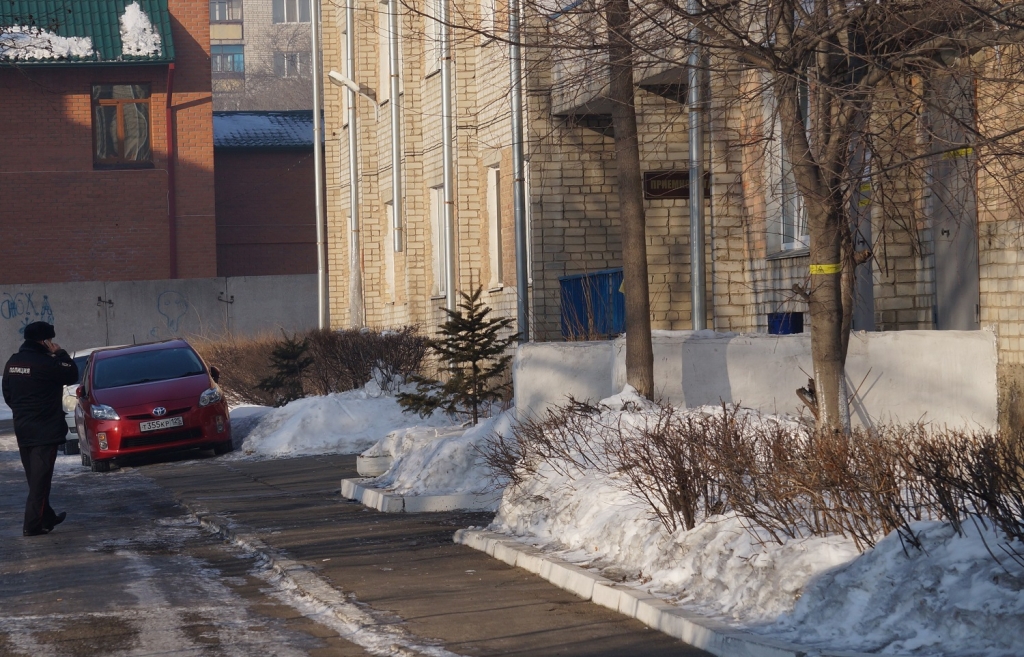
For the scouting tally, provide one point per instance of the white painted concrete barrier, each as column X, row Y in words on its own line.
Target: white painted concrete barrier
column 944, row 377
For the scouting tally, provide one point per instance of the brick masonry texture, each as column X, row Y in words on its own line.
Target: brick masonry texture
column 106, row 224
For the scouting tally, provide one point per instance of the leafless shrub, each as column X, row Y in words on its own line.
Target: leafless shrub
column 665, row 461
column 243, row 362
column 786, row 481
column 343, row 360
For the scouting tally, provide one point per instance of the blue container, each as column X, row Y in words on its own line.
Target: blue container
column 785, row 323
column 593, row 305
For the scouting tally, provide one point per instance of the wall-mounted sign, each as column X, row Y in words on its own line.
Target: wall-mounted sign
column 671, row 184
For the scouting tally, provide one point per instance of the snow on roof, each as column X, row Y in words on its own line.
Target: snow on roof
column 137, row 34
column 292, row 129
column 21, row 42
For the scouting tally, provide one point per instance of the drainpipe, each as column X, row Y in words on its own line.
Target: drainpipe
column 519, row 173
column 447, row 155
column 172, row 190
column 396, row 127
column 355, row 291
column 698, row 286
column 318, row 165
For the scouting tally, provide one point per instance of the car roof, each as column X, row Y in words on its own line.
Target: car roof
column 102, row 354
column 78, row 353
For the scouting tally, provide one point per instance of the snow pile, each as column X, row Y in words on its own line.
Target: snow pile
column 437, row 461
column 952, row 598
column 24, row 42
column 345, row 422
column 138, row 38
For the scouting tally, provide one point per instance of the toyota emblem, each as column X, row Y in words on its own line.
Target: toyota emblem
column 159, row 410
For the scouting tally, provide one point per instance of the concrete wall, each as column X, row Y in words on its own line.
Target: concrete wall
column 97, row 313
column 945, row 377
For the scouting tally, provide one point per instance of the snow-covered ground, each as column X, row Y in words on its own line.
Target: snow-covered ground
column 952, row 598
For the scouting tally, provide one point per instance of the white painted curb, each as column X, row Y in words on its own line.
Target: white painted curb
column 361, row 491
column 704, row 633
column 372, row 466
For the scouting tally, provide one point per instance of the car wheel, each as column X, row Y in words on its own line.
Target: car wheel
column 71, row 447
column 101, row 466
column 86, row 461
column 223, row 448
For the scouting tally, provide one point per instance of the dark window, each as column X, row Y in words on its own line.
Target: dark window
column 146, row 366
column 121, row 126
column 222, row 11
column 291, row 64
column 291, row 11
column 228, row 59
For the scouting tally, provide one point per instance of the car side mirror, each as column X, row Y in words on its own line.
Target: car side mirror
column 215, row 374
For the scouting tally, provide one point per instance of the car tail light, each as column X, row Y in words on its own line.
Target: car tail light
column 101, row 437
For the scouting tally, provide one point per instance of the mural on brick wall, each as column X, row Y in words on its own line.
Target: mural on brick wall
column 21, row 308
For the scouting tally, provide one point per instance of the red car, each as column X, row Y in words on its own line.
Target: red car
column 146, row 398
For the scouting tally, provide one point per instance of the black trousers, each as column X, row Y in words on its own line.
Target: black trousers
column 38, row 462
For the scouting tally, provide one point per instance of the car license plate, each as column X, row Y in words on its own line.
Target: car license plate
column 165, row 423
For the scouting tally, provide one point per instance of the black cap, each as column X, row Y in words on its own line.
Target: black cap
column 39, row 331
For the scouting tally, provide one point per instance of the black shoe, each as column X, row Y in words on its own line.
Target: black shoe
column 57, row 519
column 35, row 532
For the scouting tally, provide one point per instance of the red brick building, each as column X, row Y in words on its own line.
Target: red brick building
column 266, row 210
column 93, row 186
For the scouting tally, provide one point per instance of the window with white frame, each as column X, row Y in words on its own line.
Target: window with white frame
column 786, row 212
column 494, row 225
column 383, row 61
column 529, row 222
column 389, row 249
column 225, row 11
column 435, row 33
column 439, row 243
column 291, row 64
column 290, row 11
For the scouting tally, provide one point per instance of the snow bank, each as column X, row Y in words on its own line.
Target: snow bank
column 952, row 598
column 439, row 461
column 138, row 38
column 346, row 422
column 24, row 42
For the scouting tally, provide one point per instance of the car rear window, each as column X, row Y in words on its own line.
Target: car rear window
column 80, row 361
column 146, row 366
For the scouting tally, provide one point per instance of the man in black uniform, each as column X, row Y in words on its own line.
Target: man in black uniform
column 33, row 386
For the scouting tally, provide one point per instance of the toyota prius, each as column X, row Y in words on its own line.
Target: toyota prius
column 147, row 398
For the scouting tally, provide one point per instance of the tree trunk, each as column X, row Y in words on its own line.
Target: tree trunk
column 639, row 352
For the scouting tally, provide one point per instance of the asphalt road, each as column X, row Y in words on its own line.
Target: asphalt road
column 132, row 573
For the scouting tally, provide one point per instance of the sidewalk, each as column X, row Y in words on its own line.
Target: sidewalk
column 404, row 567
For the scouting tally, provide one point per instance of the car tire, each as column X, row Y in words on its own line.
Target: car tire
column 86, row 461
column 101, row 466
column 71, row 447
column 223, row 448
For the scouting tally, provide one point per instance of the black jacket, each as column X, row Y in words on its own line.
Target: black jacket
column 33, row 386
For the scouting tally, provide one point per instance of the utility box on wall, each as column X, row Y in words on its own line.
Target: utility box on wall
column 593, row 305
column 785, row 323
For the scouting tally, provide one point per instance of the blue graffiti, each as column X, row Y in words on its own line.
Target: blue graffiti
column 173, row 306
column 20, row 306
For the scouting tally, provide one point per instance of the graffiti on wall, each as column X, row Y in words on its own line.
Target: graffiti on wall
column 22, row 308
column 173, row 306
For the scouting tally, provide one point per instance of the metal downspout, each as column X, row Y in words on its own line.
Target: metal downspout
column 519, row 173
column 318, row 164
column 172, row 188
column 698, row 285
column 396, row 127
column 356, row 307
column 447, row 154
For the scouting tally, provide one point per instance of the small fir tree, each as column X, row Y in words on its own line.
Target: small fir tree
column 289, row 360
column 473, row 358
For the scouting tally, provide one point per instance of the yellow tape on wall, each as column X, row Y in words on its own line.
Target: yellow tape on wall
column 826, row 269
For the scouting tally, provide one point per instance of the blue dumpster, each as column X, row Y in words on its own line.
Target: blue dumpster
column 593, row 305
column 785, row 323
